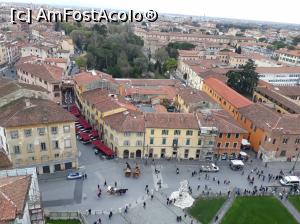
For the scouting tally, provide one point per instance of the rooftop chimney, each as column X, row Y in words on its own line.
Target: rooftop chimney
column 27, row 103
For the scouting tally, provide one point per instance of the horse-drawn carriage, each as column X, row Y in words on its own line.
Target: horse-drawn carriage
column 113, row 190
column 128, row 171
column 137, row 171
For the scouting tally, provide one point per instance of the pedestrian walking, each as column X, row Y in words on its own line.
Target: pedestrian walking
column 115, row 183
column 144, row 204
column 198, row 187
column 85, row 176
column 152, row 196
column 98, row 186
column 99, row 220
column 216, row 218
column 105, row 183
column 110, row 214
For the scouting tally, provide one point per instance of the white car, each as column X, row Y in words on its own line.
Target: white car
column 74, row 175
column 209, row 168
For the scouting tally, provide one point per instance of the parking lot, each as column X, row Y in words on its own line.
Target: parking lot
column 58, row 193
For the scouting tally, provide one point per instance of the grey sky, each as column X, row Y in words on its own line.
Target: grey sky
column 266, row 10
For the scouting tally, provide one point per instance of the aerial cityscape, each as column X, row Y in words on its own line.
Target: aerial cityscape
column 154, row 112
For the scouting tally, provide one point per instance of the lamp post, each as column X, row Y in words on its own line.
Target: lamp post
column 293, row 168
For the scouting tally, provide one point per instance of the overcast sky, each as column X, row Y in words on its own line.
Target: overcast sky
column 267, row 10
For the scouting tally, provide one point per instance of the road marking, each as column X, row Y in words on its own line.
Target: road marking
column 158, row 178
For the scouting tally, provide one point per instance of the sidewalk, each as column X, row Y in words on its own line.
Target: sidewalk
column 286, row 203
column 223, row 210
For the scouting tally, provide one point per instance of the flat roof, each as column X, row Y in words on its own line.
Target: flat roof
column 236, row 162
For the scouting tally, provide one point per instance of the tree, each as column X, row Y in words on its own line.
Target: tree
column 296, row 40
column 170, row 64
column 141, row 64
column 245, row 80
column 262, row 39
column 291, row 47
column 161, row 55
column 238, row 50
column 181, row 45
column 81, row 61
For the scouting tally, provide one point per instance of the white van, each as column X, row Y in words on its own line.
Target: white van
column 236, row 164
column 290, row 180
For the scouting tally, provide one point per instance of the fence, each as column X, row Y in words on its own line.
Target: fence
column 66, row 216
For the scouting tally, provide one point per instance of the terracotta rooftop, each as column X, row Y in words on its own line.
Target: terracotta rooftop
column 233, row 97
column 288, row 90
column 4, row 160
column 261, row 116
column 268, row 119
column 49, row 73
column 17, row 114
column 167, row 91
column 277, row 70
column 277, row 98
column 148, row 82
column 56, row 60
column 87, row 77
column 188, row 53
column 101, row 100
column 220, row 119
column 8, row 86
column 159, row 108
column 295, row 53
column 13, row 196
column 171, row 120
column 127, row 121
column 191, row 96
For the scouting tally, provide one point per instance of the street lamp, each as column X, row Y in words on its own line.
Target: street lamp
column 293, row 168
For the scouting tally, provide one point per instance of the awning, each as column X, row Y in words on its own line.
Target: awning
column 75, row 111
column 84, row 123
column 74, row 108
column 94, row 133
column 237, row 162
column 243, row 153
column 84, row 136
column 103, row 148
column 245, row 142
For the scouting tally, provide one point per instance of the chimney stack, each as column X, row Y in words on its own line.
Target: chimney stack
column 27, row 103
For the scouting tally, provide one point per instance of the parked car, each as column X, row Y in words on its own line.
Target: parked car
column 74, row 175
column 209, row 168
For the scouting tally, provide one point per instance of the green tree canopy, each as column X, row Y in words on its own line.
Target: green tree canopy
column 181, row 45
column 170, row 64
column 244, row 80
column 112, row 48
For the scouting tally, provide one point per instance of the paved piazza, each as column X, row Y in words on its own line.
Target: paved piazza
column 59, row 194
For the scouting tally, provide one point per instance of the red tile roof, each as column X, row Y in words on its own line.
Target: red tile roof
column 85, row 78
column 48, row 73
column 171, row 120
column 127, row 121
column 231, row 96
column 13, row 196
